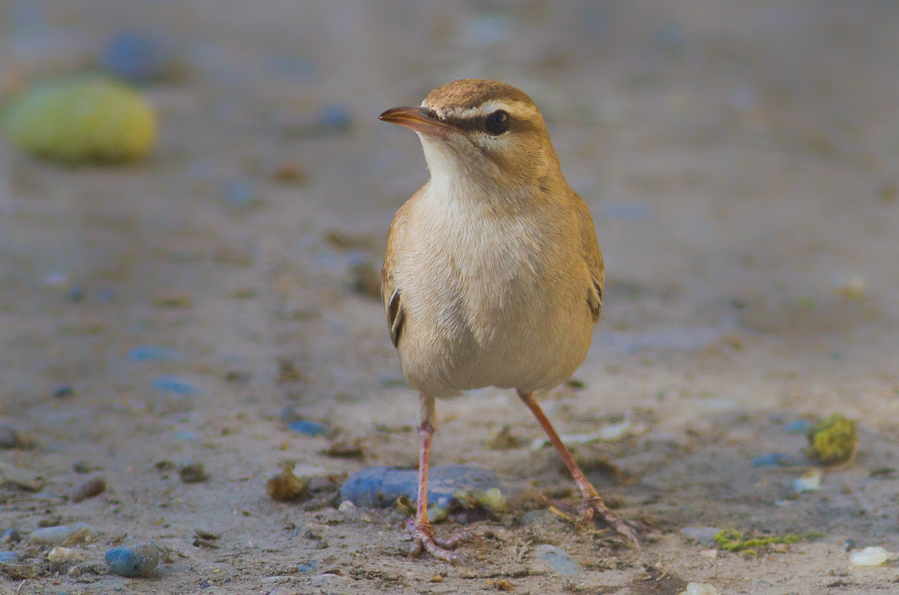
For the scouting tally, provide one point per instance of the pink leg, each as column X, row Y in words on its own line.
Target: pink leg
column 422, row 532
column 593, row 504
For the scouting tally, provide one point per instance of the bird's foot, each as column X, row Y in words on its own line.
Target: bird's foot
column 593, row 505
column 423, row 538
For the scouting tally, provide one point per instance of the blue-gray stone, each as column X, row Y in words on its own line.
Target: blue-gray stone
column 133, row 560
column 310, row 428
column 9, row 437
column 558, row 559
column 379, row 487
column 10, row 536
column 8, row 557
column 146, row 353
column 139, row 58
column 173, row 384
column 772, row 459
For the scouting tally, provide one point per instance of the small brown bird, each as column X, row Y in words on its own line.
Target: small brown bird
column 493, row 275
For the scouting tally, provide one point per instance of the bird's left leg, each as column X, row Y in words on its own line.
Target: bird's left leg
column 593, row 504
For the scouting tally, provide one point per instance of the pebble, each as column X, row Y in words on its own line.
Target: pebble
column 9, row 557
column 775, row 459
column 140, row 58
column 81, row 467
column 147, row 353
column 870, row 556
column 700, row 589
column 379, row 487
column 309, row 428
column 63, row 392
column 809, row 482
column 10, row 536
column 849, row 544
column 329, row 582
column 239, row 194
column 9, row 437
column 88, row 489
column 65, row 554
column 537, row 518
column 59, row 534
column 704, row 535
column 174, row 384
column 193, row 472
column 132, row 561
column 558, row 559
column 82, row 119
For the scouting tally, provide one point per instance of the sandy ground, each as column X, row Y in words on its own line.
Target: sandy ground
column 740, row 160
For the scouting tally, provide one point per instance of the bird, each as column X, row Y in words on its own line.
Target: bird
column 493, row 275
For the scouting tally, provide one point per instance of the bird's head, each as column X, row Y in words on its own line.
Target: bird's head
column 482, row 133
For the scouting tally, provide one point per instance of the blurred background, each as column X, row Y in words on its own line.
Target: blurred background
column 739, row 159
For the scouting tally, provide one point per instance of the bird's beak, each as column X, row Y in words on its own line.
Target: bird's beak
column 419, row 119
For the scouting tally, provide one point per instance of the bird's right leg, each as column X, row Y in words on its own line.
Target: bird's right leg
column 422, row 531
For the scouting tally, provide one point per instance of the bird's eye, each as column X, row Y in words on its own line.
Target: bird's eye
column 431, row 115
column 497, row 122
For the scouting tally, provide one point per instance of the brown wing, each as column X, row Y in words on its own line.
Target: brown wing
column 593, row 257
column 391, row 295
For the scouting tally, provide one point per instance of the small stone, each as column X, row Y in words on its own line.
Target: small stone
column 811, row 481
column 712, row 553
column 328, row 582
column 20, row 477
column 9, row 436
column 81, row 467
column 63, row 392
column 309, row 428
column 380, row 487
column 193, row 472
column 174, row 384
column 88, row 489
column 240, row 194
column 140, row 58
column 133, row 561
column 704, row 535
column 10, row 536
column 81, row 532
column 536, row 518
column 700, row 589
column 147, row 353
column 64, row 554
column 558, row 560
column 287, row 486
column 346, row 449
column 849, row 544
column 870, row 556
column 346, row 506
column 9, row 558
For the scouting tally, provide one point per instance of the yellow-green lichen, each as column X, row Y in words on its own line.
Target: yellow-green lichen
column 81, row 119
column 732, row 540
column 833, row 440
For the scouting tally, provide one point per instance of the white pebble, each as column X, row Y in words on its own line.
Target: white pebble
column 700, row 589
column 346, row 506
column 870, row 556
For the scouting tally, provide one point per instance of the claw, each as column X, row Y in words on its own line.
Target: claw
column 423, row 538
column 595, row 505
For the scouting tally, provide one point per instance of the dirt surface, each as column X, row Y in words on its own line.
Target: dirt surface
column 740, row 161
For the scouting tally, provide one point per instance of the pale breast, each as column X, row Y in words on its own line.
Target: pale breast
column 491, row 301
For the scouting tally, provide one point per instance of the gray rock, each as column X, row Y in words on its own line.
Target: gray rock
column 379, row 487
column 9, row 558
column 558, row 560
column 9, row 437
column 133, row 560
column 704, row 535
column 10, row 536
column 57, row 535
